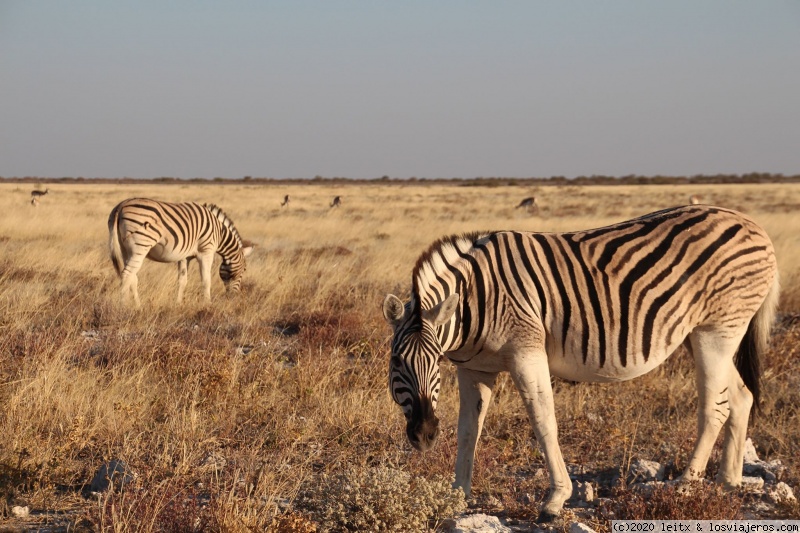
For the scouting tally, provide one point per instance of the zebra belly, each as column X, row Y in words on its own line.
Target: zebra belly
column 163, row 254
column 572, row 367
column 565, row 366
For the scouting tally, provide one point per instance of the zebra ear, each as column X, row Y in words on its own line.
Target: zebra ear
column 247, row 250
column 393, row 309
column 442, row 312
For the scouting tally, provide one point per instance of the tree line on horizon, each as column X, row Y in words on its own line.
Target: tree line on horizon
column 632, row 179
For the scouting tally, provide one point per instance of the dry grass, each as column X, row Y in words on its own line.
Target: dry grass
column 226, row 412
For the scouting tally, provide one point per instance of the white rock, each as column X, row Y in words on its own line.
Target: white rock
column 781, row 493
column 752, row 483
column 646, row 489
column 583, row 491
column 771, row 471
column 643, row 470
column 477, row 523
column 578, row 527
column 20, row 512
column 591, row 417
column 750, row 455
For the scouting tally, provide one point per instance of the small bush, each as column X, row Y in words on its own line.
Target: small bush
column 379, row 499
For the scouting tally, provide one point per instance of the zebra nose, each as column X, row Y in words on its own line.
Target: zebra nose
column 423, row 434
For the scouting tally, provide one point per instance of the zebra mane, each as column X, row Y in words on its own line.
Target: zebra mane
column 225, row 220
column 437, row 258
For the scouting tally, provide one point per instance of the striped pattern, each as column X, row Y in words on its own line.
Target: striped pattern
column 174, row 232
column 406, row 384
column 606, row 304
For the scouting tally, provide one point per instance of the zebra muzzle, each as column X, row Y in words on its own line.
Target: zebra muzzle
column 423, row 426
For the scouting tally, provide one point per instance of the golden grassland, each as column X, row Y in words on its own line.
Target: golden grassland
column 245, row 403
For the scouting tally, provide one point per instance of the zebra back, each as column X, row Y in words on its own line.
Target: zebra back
column 620, row 297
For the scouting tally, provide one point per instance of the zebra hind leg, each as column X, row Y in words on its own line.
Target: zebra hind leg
column 132, row 263
column 130, row 287
column 723, row 401
column 183, row 278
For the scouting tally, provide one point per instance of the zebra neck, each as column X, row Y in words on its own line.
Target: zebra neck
column 230, row 245
column 452, row 335
column 229, row 235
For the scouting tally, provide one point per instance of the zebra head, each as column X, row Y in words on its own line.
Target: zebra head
column 232, row 269
column 414, row 377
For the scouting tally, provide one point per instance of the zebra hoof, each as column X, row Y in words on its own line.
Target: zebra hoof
column 545, row 517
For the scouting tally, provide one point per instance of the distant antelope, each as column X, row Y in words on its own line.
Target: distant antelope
column 337, row 201
column 528, row 203
column 34, row 201
column 39, row 194
column 170, row 233
column 285, row 201
column 695, row 199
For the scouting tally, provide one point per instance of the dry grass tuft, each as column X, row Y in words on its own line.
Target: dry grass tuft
column 676, row 502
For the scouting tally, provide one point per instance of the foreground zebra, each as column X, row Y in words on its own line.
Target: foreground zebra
column 168, row 233
column 602, row 305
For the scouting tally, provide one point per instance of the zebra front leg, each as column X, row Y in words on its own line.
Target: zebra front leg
column 531, row 374
column 183, row 278
column 475, row 393
column 205, row 262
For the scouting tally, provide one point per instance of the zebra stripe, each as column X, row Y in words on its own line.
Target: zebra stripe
column 606, row 304
column 174, row 232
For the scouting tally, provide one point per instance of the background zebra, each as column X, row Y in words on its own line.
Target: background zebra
column 607, row 304
column 168, row 233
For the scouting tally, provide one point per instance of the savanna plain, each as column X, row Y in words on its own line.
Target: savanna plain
column 269, row 410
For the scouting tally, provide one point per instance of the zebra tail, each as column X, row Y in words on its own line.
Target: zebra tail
column 113, row 241
column 756, row 342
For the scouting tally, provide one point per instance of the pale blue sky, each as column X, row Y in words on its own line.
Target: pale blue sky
column 430, row 89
